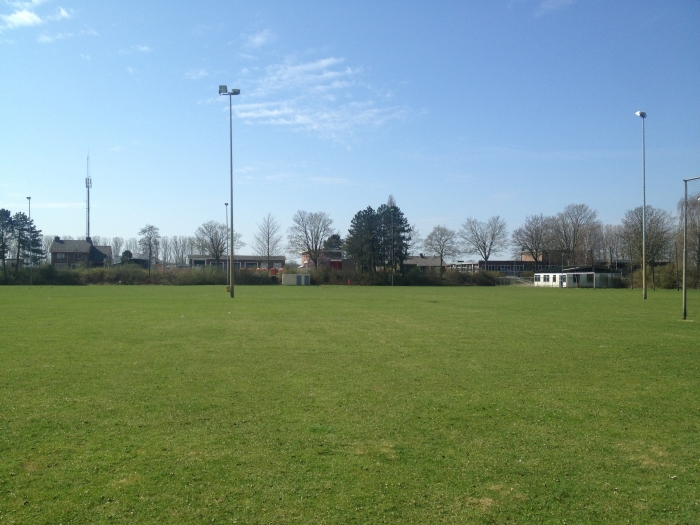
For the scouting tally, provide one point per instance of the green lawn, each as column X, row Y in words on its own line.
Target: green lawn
column 345, row 404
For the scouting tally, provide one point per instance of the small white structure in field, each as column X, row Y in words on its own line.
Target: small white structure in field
column 296, row 279
column 576, row 278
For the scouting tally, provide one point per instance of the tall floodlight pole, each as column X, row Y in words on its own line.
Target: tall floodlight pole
column 31, row 261
column 228, row 274
column 88, row 185
column 223, row 90
column 643, row 115
column 685, row 241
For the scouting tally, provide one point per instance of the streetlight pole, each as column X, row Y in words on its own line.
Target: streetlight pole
column 643, row 116
column 393, row 262
column 31, row 262
column 228, row 274
column 223, row 90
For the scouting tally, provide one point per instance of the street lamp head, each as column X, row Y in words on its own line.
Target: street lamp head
column 223, row 90
column 641, row 114
column 29, row 198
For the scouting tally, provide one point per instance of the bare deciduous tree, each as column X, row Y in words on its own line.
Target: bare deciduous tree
column 442, row 242
column 179, row 249
column 533, row 237
column 132, row 244
column 613, row 243
column 570, row 226
column 268, row 240
column 166, row 248
column 211, row 238
column 117, row 243
column 660, row 228
column 308, row 232
column 484, row 238
column 592, row 241
column 47, row 241
column 416, row 243
column 149, row 242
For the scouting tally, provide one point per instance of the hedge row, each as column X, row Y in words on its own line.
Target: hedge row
column 664, row 277
column 132, row 274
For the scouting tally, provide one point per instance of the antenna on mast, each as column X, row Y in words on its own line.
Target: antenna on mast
column 88, row 185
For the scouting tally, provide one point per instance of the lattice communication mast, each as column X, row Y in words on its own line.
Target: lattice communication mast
column 88, row 185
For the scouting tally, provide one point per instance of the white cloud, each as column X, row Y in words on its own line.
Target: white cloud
column 259, row 39
column 130, row 70
column 302, row 115
column 321, row 75
column 547, row 6
column 47, row 39
column 23, row 18
column 324, row 96
column 135, row 49
column 61, row 15
column 197, row 74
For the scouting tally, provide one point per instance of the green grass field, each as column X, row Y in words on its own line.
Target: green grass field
column 345, row 404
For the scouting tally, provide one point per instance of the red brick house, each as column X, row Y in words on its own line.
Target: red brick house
column 71, row 254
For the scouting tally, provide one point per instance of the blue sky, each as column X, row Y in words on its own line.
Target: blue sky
column 458, row 109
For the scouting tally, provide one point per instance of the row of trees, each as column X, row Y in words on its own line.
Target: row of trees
column 579, row 236
column 383, row 238
column 19, row 240
column 575, row 236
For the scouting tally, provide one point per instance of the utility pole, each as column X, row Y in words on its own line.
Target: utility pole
column 88, row 185
column 31, row 259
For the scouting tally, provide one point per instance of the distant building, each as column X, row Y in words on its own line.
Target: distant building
column 141, row 260
column 248, row 262
column 71, row 254
column 579, row 277
column 332, row 259
column 424, row 263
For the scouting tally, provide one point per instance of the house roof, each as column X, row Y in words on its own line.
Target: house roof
column 95, row 253
column 100, row 253
column 422, row 260
column 70, row 246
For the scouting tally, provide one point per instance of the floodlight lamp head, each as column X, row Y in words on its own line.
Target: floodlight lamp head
column 641, row 114
column 223, row 90
column 235, row 91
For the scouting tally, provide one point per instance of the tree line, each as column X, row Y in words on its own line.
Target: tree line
column 382, row 238
column 20, row 240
